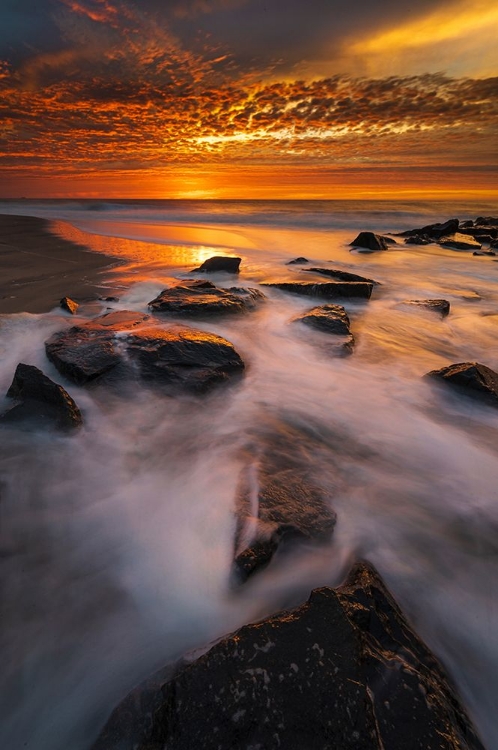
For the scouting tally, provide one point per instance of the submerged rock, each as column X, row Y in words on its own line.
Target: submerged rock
column 344, row 671
column 297, row 261
column 69, row 305
column 341, row 275
column 38, row 399
column 329, row 290
column 218, row 263
column 460, row 242
column 332, row 319
column 471, row 378
column 202, row 298
column 440, row 306
column 371, row 241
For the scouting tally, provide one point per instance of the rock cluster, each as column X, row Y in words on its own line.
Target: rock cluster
column 466, row 235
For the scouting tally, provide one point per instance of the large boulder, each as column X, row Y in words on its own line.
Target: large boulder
column 371, row 241
column 328, row 289
column 203, row 299
column 440, row 306
column 217, row 263
column 37, row 399
column 344, row 671
column 471, row 378
column 341, row 275
column 127, row 345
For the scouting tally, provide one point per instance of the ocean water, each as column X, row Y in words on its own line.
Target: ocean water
column 116, row 543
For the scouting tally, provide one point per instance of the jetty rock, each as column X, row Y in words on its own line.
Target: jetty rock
column 471, row 378
column 327, row 289
column 37, row 399
column 371, row 241
column 219, row 263
column 203, row 299
column 127, row 345
column 343, row 671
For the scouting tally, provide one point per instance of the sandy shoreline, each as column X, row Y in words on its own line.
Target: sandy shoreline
column 37, row 268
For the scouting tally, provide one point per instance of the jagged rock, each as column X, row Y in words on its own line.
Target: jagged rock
column 329, row 290
column 344, row 671
column 486, row 221
column 460, row 242
column 69, row 305
column 202, row 298
column 341, row 275
column 434, row 231
column 37, row 398
column 440, row 306
column 471, row 378
column 124, row 345
column 218, row 263
column 371, row 241
column 297, row 261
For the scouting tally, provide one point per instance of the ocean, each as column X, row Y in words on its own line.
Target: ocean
column 116, row 543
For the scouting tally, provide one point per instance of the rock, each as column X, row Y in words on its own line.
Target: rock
column 341, row 275
column 471, row 378
column 217, row 263
column 371, row 241
column 109, row 299
column 202, row 298
column 125, row 345
column 344, row 671
column 37, row 398
column 327, row 318
column 486, row 221
column 297, row 261
column 434, row 231
column 69, row 305
column 460, row 242
column 329, row 290
column 484, row 252
column 440, row 306
column 418, row 239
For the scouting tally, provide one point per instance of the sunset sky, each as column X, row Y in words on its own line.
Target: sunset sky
column 248, row 98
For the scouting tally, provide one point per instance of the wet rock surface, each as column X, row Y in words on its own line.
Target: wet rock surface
column 203, row 299
column 38, row 400
column 343, row 671
column 440, row 306
column 341, row 275
column 465, row 235
column 69, row 305
column 328, row 290
column 460, row 241
column 471, row 378
column 371, row 241
column 217, row 263
column 327, row 318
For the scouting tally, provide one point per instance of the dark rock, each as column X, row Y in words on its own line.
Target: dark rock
column 344, row 671
column 69, row 305
column 471, row 378
column 37, row 398
column 434, row 231
column 202, row 298
column 329, row 290
column 418, row 239
column 219, row 263
column 440, row 306
column 483, row 238
column 124, row 345
column 327, row 318
column 460, row 242
column 486, row 221
column 297, row 261
column 341, row 275
column 109, row 299
column 485, row 252
column 371, row 241
column 466, row 224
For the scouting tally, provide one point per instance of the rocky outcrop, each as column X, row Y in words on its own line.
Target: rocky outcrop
column 471, row 378
column 371, row 241
column 218, row 263
column 459, row 241
column 434, row 231
column 37, row 399
column 127, row 345
column 440, row 306
column 203, row 299
column 344, row 671
column 328, row 290
column 341, row 275
column 69, row 305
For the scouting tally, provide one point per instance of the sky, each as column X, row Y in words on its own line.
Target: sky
column 249, row 98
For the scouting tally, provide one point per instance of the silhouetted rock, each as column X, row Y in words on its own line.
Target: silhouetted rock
column 341, row 275
column 460, row 242
column 203, row 299
column 471, row 378
column 217, row 263
column 344, row 671
column 297, row 261
column 38, row 399
column 69, row 305
column 371, row 241
column 329, row 290
column 434, row 231
column 484, row 252
column 440, row 306
column 418, row 239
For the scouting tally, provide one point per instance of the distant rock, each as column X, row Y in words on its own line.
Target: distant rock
column 344, row 671
column 471, row 378
column 341, row 275
column 440, row 306
column 329, row 290
column 69, row 305
column 219, row 263
column 38, row 399
column 434, row 231
column 204, row 299
column 460, row 242
column 418, row 239
column 371, row 241
column 297, row 261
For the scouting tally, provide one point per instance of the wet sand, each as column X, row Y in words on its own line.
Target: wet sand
column 38, row 268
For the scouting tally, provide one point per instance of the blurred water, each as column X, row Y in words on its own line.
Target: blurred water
column 116, row 543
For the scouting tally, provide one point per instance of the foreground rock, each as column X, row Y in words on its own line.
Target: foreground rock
column 341, row 275
column 38, row 399
column 328, row 290
column 471, row 378
column 440, row 306
column 126, row 345
column 217, row 263
column 344, row 671
column 69, row 305
column 203, row 299
column 331, row 319
column 371, row 241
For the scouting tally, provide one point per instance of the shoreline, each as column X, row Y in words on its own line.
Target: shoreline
column 38, row 268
